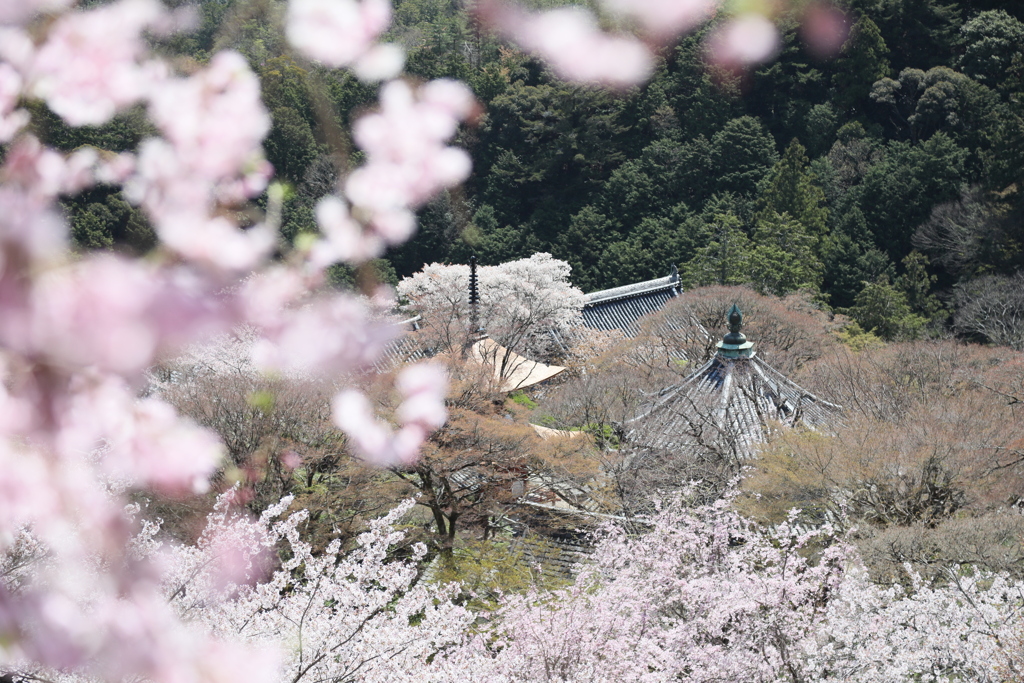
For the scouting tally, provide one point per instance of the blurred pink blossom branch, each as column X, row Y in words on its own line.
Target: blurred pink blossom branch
column 572, row 42
column 77, row 334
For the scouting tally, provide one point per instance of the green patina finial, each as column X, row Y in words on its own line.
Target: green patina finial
column 735, row 323
column 735, row 344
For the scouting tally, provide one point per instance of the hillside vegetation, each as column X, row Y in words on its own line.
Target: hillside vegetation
column 886, row 180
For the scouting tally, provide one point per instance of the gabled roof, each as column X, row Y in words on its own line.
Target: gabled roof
column 621, row 308
column 547, row 433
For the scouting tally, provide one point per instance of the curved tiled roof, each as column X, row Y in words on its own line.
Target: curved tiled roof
column 404, row 348
column 731, row 402
column 621, row 308
column 512, row 371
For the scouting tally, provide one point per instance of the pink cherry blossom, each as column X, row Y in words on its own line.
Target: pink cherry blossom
column 37, row 169
column 747, row 39
column 214, row 119
column 344, row 238
column 48, row 173
column 110, row 313
column 265, row 298
column 333, row 334
column 352, row 412
column 28, row 228
column 103, row 599
column 91, row 65
column 11, row 120
column 408, row 162
column 214, row 122
column 24, row 492
column 407, row 159
column 291, row 460
column 570, row 40
column 17, row 48
column 94, row 313
column 17, row 11
column 162, row 452
column 217, row 242
column 423, row 387
column 421, row 412
column 824, row 28
column 665, row 18
column 380, row 63
column 521, row 301
column 345, row 614
column 142, row 442
column 342, row 33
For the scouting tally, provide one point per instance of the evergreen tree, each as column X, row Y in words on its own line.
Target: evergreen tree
column 625, row 262
column 703, row 100
column 783, row 90
column 783, row 257
column 726, row 258
column 917, row 284
column 820, row 126
column 850, row 258
column 991, row 41
column 882, row 309
column 582, row 245
column 864, row 60
column 742, row 153
column 899, row 192
column 920, row 33
column 790, row 189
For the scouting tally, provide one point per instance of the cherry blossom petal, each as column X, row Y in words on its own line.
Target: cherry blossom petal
column 337, row 32
column 570, row 40
column 748, row 39
column 664, row 18
column 89, row 67
column 380, row 63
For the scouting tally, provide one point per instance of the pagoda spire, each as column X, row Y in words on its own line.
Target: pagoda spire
column 734, row 344
column 474, row 297
column 476, row 330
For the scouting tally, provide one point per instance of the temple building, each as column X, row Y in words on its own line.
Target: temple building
column 720, row 414
column 621, row 308
column 728, row 405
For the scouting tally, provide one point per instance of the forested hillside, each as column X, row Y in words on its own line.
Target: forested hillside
column 885, row 179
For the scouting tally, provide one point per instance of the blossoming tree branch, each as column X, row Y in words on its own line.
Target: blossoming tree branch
column 87, row 591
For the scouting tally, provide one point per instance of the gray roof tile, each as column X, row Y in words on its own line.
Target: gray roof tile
column 621, row 308
column 733, row 401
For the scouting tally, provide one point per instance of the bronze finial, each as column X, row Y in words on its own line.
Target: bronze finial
column 734, row 344
column 735, row 323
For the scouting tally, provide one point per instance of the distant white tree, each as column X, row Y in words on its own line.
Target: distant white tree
column 521, row 302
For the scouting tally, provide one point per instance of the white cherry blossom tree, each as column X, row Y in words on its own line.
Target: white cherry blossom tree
column 521, row 303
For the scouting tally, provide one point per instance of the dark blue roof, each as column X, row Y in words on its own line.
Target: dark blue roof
column 622, row 308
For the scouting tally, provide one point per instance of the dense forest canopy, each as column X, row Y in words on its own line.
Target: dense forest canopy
column 885, row 180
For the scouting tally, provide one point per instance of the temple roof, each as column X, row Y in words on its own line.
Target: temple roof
column 512, row 371
column 621, row 308
column 729, row 403
column 404, row 348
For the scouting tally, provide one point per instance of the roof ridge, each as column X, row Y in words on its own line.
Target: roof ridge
column 763, row 365
column 601, row 296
